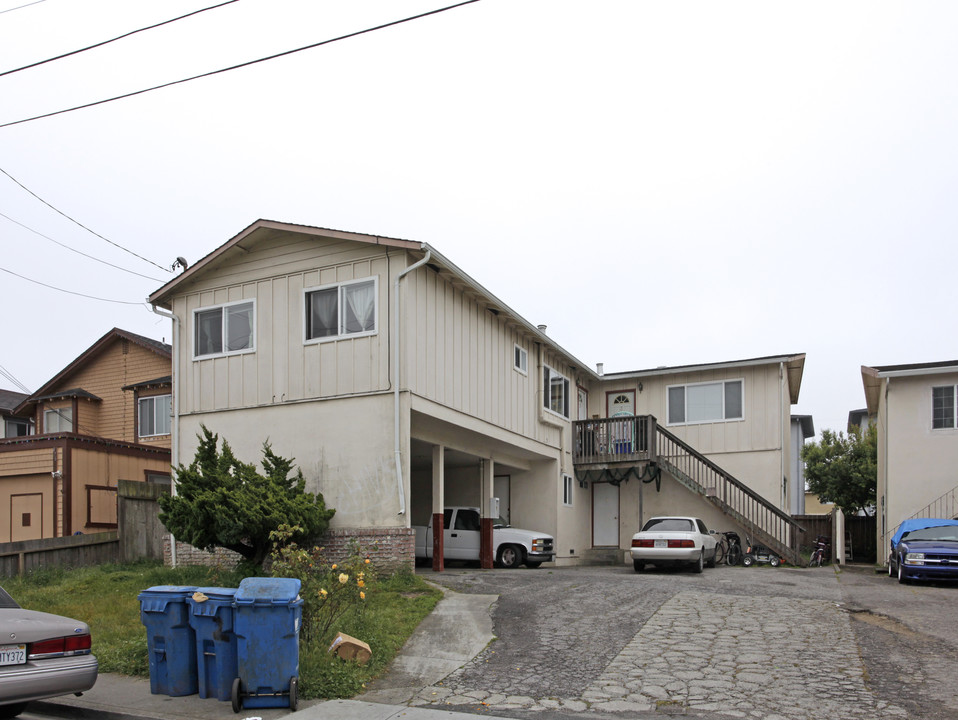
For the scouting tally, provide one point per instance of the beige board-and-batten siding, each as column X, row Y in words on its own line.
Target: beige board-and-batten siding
column 389, row 549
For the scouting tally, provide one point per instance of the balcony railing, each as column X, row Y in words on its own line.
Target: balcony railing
column 627, row 438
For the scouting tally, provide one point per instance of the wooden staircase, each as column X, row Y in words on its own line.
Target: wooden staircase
column 764, row 523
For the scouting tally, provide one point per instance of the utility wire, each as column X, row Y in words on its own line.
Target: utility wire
column 77, row 222
column 9, row 376
column 78, row 252
column 20, row 7
column 70, row 292
column 241, row 65
column 119, row 37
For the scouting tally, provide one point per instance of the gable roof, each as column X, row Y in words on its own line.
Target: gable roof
column 874, row 376
column 10, row 400
column 48, row 391
column 265, row 230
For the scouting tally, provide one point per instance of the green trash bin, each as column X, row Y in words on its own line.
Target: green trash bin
column 211, row 617
column 268, row 613
column 170, row 639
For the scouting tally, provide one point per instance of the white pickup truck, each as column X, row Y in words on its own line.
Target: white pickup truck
column 512, row 546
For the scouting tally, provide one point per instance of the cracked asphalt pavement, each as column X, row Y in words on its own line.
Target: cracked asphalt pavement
column 760, row 642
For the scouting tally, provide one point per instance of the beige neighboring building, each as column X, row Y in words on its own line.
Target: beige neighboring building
column 400, row 385
column 916, row 409
column 103, row 418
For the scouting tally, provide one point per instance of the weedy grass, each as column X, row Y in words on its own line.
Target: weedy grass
column 105, row 597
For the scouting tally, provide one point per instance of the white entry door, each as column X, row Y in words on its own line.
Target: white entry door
column 605, row 515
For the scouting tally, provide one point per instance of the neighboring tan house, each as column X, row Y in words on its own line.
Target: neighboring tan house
column 916, row 410
column 401, row 385
column 10, row 425
column 104, row 418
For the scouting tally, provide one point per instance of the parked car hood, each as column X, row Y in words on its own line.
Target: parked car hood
column 26, row 626
column 934, row 546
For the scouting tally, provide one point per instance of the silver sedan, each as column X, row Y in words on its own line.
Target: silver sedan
column 41, row 656
column 673, row 541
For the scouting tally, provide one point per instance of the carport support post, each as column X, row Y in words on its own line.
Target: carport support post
column 438, row 505
column 486, row 556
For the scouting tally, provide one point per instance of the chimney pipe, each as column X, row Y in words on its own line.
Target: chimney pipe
column 600, row 369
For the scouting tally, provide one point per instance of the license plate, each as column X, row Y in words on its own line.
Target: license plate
column 13, row 654
column 660, row 543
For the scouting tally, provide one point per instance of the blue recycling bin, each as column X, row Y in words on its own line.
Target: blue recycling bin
column 170, row 640
column 211, row 617
column 267, row 614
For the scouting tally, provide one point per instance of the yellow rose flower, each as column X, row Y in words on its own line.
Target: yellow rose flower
column 360, row 583
column 333, row 566
column 367, row 561
column 322, row 592
column 362, row 595
column 343, row 578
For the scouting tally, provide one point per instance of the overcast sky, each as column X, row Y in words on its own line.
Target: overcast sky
column 661, row 183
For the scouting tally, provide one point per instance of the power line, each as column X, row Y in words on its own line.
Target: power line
column 241, row 65
column 119, row 37
column 20, row 7
column 78, row 252
column 9, row 376
column 70, row 292
column 77, row 222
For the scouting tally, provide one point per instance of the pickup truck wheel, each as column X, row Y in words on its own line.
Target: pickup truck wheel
column 510, row 556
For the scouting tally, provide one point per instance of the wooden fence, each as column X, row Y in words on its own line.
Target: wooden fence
column 860, row 531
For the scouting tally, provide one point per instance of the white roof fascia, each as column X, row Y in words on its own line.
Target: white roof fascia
column 915, row 372
column 671, row 370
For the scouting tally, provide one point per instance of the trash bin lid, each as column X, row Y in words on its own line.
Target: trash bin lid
column 156, row 598
column 267, row 591
column 216, row 594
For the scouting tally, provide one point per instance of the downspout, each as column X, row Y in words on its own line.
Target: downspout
column 396, row 356
column 785, row 426
column 175, row 440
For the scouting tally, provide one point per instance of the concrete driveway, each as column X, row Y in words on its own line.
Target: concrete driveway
column 732, row 642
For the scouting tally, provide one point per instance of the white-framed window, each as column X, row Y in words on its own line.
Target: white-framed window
column 943, row 407
column 706, row 402
column 153, row 415
column 348, row 309
column 224, row 329
column 567, row 490
column 521, row 360
column 16, row 427
column 59, row 420
column 555, row 392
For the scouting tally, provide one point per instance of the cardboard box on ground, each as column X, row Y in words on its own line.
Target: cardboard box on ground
column 349, row 648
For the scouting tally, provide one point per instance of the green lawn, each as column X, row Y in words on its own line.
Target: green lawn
column 105, row 597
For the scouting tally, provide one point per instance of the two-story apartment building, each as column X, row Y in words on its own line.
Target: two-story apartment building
column 400, row 385
column 103, row 418
column 915, row 407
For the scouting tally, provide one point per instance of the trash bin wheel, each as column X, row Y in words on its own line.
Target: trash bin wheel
column 293, row 693
column 237, row 695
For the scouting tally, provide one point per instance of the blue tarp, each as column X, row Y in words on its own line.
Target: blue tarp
column 917, row 524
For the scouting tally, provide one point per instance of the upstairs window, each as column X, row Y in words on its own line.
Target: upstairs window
column 153, row 416
column 344, row 310
column 223, row 330
column 521, row 360
column 59, row 420
column 705, row 402
column 943, row 407
column 555, row 392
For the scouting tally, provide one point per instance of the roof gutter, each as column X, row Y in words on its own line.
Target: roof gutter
column 400, row 484
column 175, row 440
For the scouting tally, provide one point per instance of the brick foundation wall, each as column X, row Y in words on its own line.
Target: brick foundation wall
column 390, row 549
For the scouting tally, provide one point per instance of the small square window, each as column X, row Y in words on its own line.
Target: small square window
column 521, row 360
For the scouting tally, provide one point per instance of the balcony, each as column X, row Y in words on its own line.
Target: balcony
column 627, row 439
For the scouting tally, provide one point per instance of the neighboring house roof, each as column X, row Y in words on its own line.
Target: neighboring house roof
column 794, row 366
column 165, row 380
column 10, row 400
column 49, row 391
column 874, row 376
column 265, row 230
column 857, row 418
column 805, row 422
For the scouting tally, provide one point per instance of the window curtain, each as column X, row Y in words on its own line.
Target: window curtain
column 323, row 312
column 209, row 332
column 361, row 306
column 239, row 327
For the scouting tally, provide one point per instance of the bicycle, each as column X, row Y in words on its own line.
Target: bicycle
column 728, row 548
column 819, row 554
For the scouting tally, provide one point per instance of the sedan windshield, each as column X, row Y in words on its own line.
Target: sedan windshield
column 6, row 601
column 669, row 525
